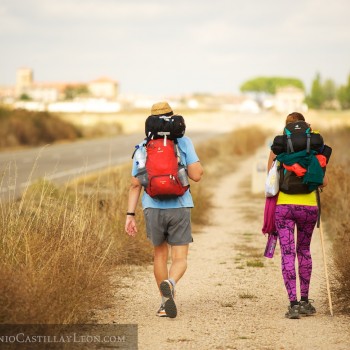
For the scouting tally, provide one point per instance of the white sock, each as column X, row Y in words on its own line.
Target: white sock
column 172, row 282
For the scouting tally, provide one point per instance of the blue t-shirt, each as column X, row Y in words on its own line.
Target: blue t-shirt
column 188, row 156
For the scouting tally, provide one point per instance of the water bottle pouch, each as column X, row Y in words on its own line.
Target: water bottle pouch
column 142, row 176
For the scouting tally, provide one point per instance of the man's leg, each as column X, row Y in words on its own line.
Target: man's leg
column 160, row 267
column 178, row 261
column 179, row 237
column 177, row 269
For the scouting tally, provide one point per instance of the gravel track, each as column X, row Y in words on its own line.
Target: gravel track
column 222, row 302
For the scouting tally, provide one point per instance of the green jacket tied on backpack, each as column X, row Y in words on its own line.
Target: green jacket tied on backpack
column 314, row 173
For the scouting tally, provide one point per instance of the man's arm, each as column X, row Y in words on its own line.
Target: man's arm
column 134, row 194
column 195, row 171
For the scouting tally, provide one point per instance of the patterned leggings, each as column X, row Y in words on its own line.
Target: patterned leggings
column 305, row 218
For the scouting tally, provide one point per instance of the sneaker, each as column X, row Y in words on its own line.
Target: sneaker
column 306, row 309
column 167, row 290
column 161, row 311
column 293, row 312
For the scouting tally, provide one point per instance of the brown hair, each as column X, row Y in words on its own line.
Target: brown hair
column 294, row 117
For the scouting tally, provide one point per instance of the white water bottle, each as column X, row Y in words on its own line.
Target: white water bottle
column 140, row 157
column 182, row 174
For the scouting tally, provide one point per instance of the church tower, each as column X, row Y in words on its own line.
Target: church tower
column 24, row 80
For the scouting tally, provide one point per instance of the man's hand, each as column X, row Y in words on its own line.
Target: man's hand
column 130, row 226
column 134, row 194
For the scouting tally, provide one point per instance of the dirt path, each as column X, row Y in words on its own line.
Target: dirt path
column 222, row 302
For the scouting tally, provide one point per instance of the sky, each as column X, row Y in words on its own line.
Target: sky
column 164, row 47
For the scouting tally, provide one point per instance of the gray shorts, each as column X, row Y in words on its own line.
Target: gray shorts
column 170, row 225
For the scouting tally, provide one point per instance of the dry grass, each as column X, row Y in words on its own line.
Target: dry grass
column 24, row 128
column 20, row 128
column 247, row 295
column 335, row 201
column 255, row 263
column 59, row 246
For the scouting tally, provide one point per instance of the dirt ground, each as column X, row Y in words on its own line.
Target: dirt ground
column 231, row 297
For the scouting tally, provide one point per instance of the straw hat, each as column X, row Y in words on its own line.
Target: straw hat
column 161, row 108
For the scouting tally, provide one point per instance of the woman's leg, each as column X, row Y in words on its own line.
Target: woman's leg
column 306, row 218
column 285, row 228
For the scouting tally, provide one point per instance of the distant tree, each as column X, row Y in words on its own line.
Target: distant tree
column 329, row 90
column 317, row 96
column 344, row 95
column 71, row 92
column 25, row 97
column 270, row 84
column 330, row 95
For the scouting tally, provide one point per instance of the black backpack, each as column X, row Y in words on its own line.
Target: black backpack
column 173, row 127
column 297, row 137
column 290, row 183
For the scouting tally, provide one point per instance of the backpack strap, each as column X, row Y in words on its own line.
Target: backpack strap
column 308, row 143
column 177, row 152
column 162, row 133
column 165, row 134
column 290, row 147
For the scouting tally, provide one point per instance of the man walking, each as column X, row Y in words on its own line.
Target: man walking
column 168, row 220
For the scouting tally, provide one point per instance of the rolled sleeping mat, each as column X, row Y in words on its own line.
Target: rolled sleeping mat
column 299, row 141
column 173, row 126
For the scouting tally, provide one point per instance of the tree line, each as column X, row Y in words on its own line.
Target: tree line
column 323, row 94
column 327, row 95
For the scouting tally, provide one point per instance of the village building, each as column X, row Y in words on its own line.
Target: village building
column 26, row 88
column 288, row 99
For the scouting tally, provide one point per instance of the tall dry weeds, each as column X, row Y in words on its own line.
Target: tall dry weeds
column 335, row 201
column 59, row 246
column 26, row 128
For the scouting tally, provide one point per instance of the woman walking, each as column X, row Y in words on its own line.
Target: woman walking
column 298, row 210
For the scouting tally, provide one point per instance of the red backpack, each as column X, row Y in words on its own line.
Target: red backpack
column 162, row 165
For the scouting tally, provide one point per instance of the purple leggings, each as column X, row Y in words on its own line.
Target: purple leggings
column 305, row 218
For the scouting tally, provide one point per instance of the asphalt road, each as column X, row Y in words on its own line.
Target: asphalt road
column 63, row 162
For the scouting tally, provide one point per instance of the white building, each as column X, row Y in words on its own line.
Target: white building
column 47, row 92
column 289, row 99
column 104, row 88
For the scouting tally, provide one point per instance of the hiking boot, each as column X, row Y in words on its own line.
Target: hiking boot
column 167, row 290
column 293, row 312
column 161, row 311
column 306, row 308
